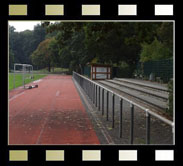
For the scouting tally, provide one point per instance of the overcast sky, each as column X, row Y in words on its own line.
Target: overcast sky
column 24, row 25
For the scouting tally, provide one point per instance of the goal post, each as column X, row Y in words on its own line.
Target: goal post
column 24, row 69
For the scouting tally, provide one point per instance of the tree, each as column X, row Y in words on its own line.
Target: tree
column 42, row 56
column 54, row 49
column 104, row 41
column 154, row 51
column 108, row 42
column 165, row 35
column 22, row 44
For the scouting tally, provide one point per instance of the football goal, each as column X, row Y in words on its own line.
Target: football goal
column 22, row 70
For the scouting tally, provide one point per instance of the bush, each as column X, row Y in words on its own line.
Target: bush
column 154, row 51
column 123, row 71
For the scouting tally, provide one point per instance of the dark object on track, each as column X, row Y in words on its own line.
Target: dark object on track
column 31, row 86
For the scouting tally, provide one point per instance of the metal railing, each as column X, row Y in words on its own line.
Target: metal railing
column 93, row 90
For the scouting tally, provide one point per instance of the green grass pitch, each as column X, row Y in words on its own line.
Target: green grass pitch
column 19, row 81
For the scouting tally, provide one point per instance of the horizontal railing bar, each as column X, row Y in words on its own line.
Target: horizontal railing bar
column 131, row 102
column 160, row 117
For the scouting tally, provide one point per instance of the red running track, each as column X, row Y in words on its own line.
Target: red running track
column 50, row 114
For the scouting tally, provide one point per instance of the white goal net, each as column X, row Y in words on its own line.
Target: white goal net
column 22, row 70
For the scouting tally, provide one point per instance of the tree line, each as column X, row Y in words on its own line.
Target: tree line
column 23, row 44
column 74, row 44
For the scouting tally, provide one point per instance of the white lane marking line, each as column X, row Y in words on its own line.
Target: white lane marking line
column 42, row 129
column 58, row 93
column 14, row 97
column 45, row 122
column 37, row 81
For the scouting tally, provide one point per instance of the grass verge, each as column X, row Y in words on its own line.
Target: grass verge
column 19, row 79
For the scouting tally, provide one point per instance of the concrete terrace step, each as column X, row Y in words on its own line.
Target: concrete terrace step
column 143, row 83
column 135, row 94
column 151, row 92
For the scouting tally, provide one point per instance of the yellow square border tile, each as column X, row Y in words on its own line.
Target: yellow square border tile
column 91, row 155
column 127, row 10
column 127, row 155
column 55, row 155
column 18, row 10
column 54, row 10
column 18, row 155
column 90, row 10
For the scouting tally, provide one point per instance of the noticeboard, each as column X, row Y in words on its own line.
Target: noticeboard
column 100, row 72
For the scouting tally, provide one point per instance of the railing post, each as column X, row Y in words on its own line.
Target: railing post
column 93, row 93
column 84, row 82
column 86, row 89
column 102, row 101
column 96, row 97
column 99, row 99
column 113, row 100
column 107, row 106
column 132, row 123
column 148, row 121
column 89, row 90
column 121, row 117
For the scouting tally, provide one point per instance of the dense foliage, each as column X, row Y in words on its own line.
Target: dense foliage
column 42, row 56
column 113, row 43
column 22, row 44
column 162, row 45
column 75, row 44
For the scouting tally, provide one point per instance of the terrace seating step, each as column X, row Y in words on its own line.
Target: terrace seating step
column 145, row 98
column 143, row 83
column 151, row 92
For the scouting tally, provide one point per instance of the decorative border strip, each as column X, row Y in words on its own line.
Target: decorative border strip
column 91, row 10
column 92, row 155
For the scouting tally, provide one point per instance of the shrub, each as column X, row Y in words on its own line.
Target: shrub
column 154, row 51
column 123, row 70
